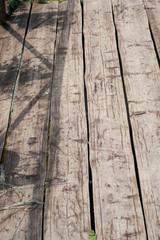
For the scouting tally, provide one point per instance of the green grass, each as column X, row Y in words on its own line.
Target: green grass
column 92, row 235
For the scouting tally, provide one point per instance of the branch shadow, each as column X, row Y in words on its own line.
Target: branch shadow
column 6, row 80
column 12, row 159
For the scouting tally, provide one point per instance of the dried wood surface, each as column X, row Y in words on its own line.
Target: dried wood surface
column 11, row 41
column 69, row 129
column 142, row 81
column 67, row 202
column 26, row 149
column 153, row 12
column 118, row 213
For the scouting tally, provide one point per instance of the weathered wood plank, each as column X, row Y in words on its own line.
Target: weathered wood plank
column 118, row 213
column 153, row 12
column 67, row 202
column 26, row 149
column 142, row 81
column 11, row 40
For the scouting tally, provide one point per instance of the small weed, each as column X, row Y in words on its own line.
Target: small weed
column 92, row 235
column 22, row 205
column 14, row 3
column 5, row 185
column 41, row 1
column 60, row 1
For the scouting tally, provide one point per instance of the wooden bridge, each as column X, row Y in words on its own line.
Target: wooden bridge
column 80, row 121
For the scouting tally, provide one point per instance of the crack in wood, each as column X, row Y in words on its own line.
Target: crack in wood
column 138, row 113
column 152, row 36
column 154, row 43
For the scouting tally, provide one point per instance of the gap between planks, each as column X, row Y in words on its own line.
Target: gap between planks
column 90, row 183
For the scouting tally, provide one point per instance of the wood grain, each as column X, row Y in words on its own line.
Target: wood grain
column 67, row 202
column 118, row 213
column 11, row 41
column 26, row 149
column 142, row 81
column 153, row 11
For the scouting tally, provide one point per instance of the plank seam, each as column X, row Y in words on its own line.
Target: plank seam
column 129, row 124
column 90, row 183
column 21, row 59
column 49, row 123
column 15, row 90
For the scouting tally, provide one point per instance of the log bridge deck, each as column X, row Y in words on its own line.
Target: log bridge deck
column 80, row 121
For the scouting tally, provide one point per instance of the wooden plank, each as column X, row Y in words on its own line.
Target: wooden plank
column 67, row 202
column 26, row 149
column 153, row 12
column 118, row 213
column 11, row 40
column 142, row 81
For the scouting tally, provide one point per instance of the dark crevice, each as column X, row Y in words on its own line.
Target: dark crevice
column 130, row 126
column 49, row 123
column 152, row 37
column 92, row 217
column 154, row 44
column 43, row 210
column 15, row 90
column 44, row 190
column 20, row 63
